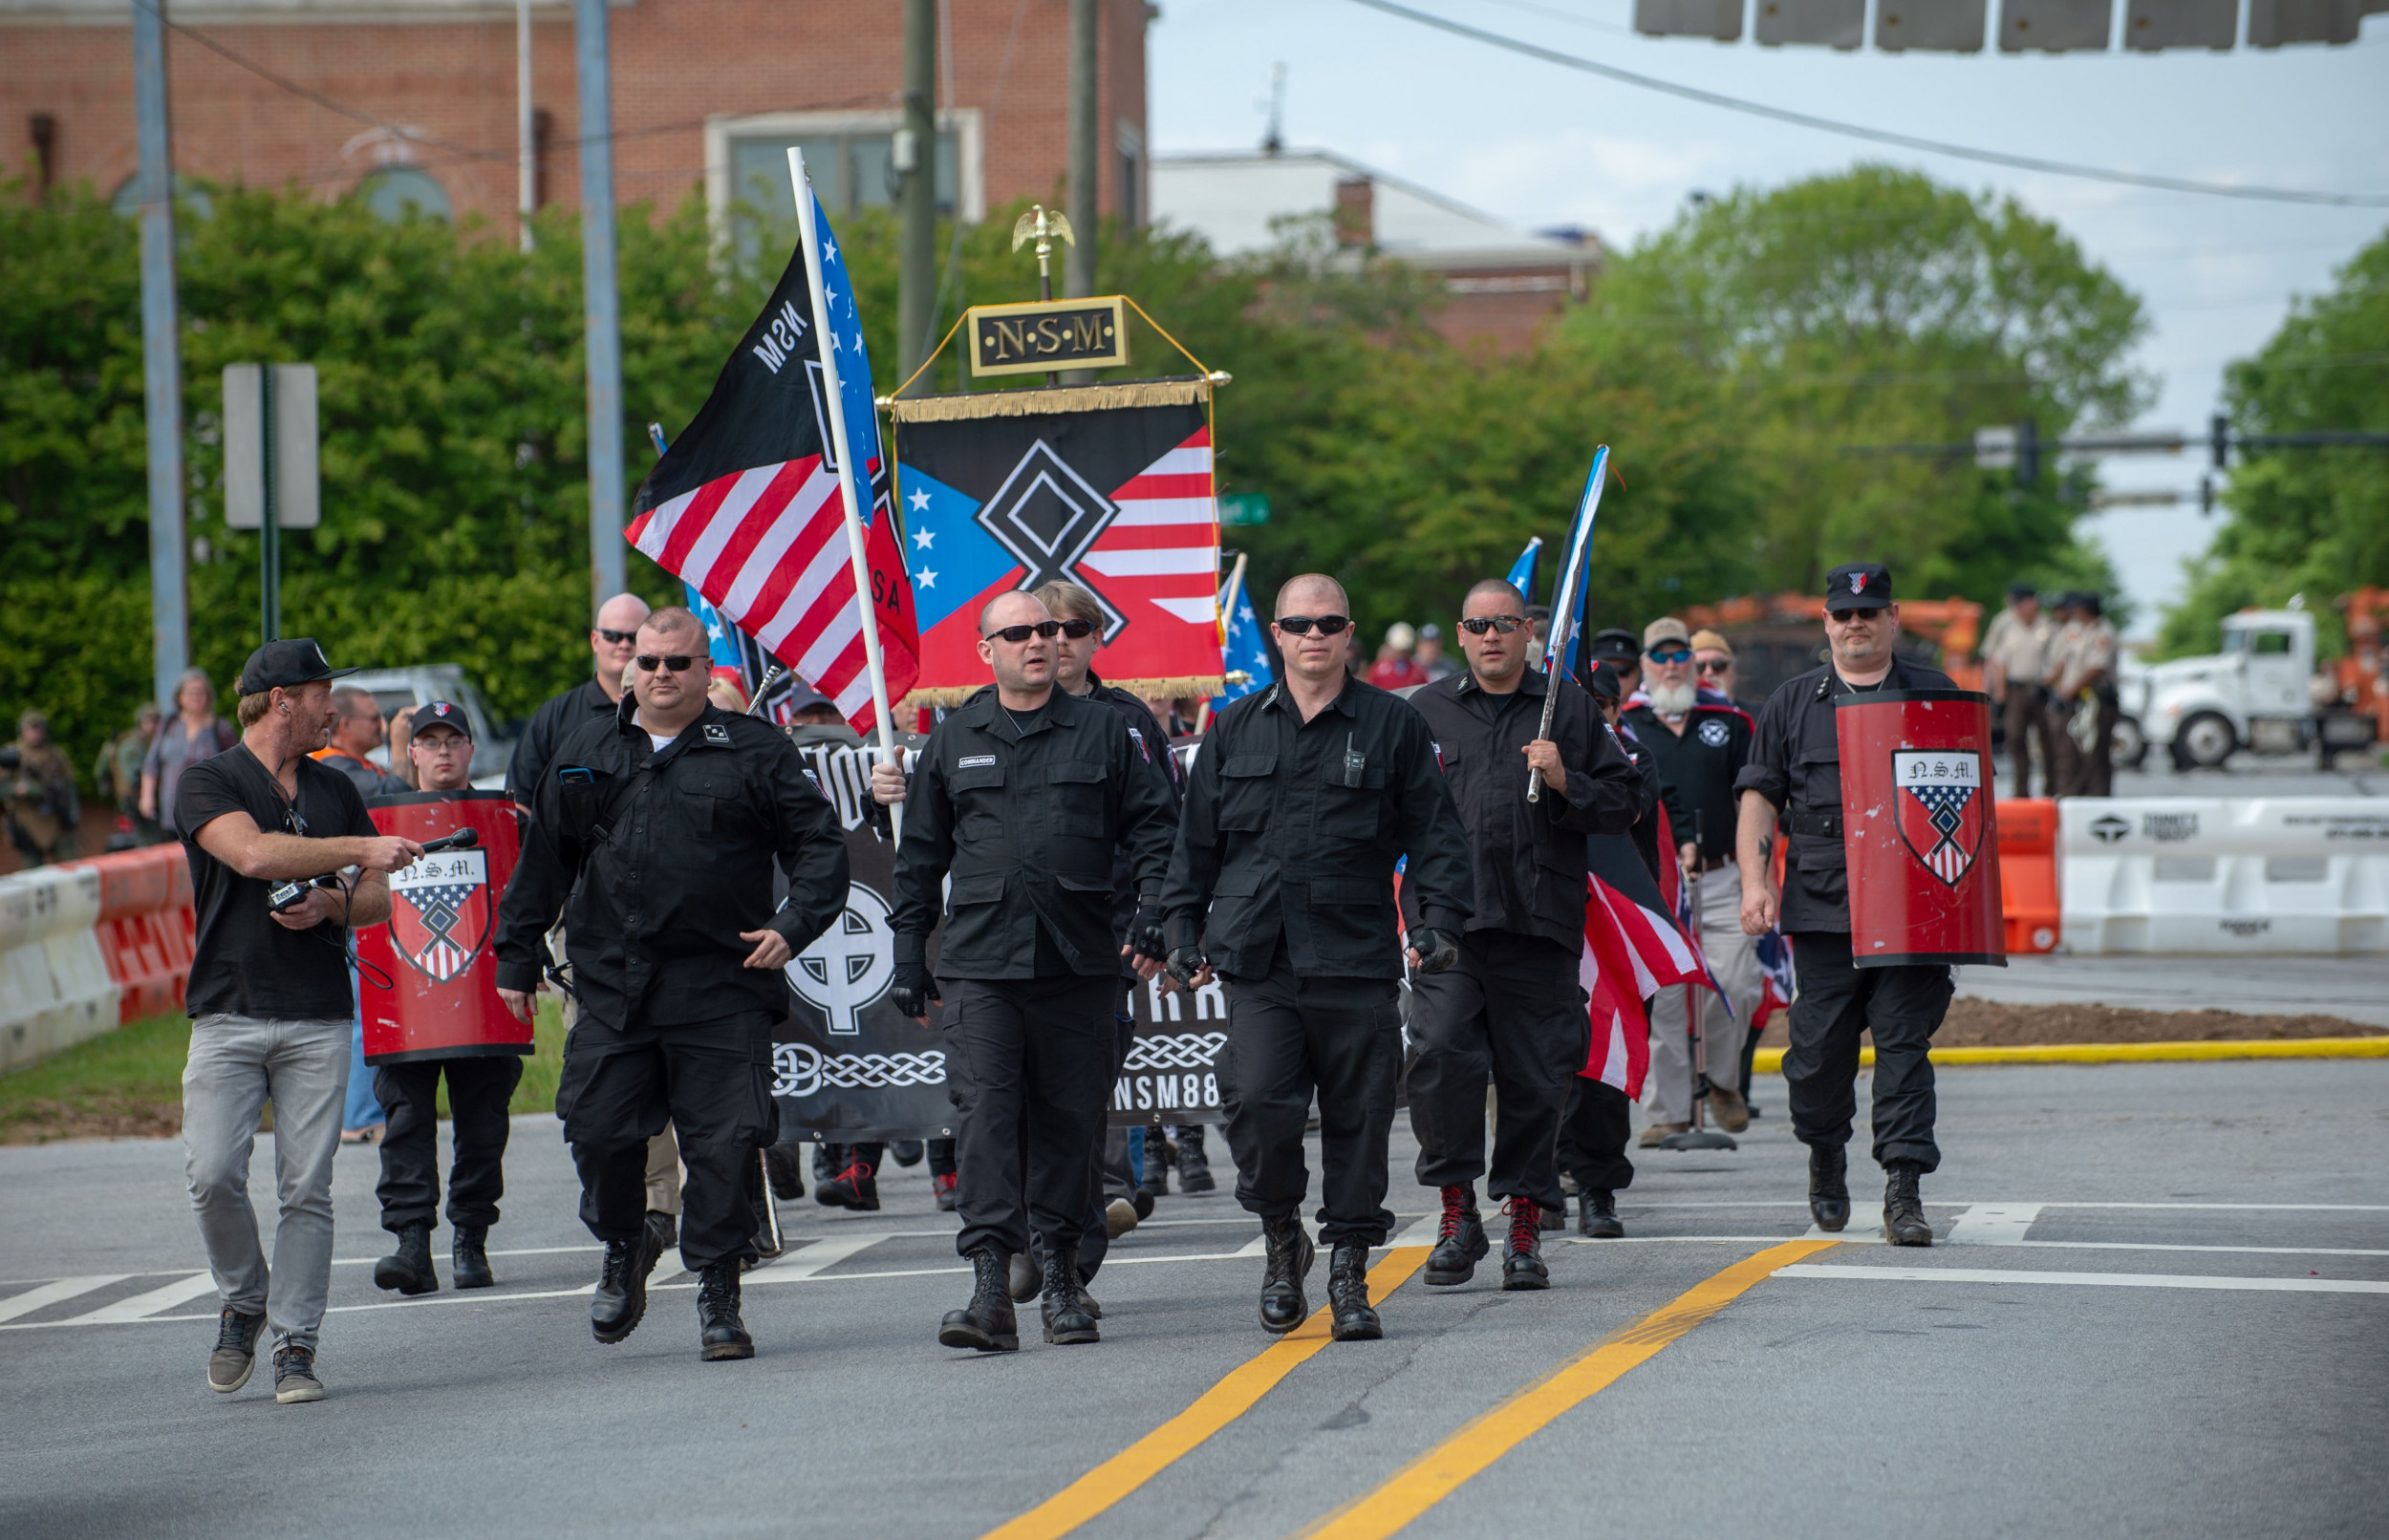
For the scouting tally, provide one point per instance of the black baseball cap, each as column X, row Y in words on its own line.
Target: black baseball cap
column 1603, row 681
column 442, row 714
column 295, row 660
column 2022, row 591
column 1614, row 644
column 1858, row 585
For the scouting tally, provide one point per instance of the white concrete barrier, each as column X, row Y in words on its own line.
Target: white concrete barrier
column 55, row 988
column 2223, row 875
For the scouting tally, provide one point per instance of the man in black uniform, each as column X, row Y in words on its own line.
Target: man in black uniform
column 1302, row 798
column 1515, row 1004
column 659, row 827
column 1023, row 795
column 1795, row 774
column 612, row 642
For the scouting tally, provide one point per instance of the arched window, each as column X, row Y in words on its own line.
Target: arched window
column 393, row 192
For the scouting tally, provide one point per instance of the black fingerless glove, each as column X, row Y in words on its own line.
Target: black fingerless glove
column 913, row 991
column 1437, row 949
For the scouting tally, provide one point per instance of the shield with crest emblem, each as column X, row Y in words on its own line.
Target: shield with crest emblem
column 1941, row 808
column 440, row 912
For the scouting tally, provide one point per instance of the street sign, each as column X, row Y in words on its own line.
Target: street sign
column 1044, row 335
column 1245, row 508
column 295, row 491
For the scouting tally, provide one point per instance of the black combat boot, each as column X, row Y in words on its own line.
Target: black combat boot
column 1282, row 1305
column 1022, row 1277
column 468, row 1257
column 1348, row 1294
column 1155, row 1182
column 1461, row 1243
column 1194, row 1165
column 1068, row 1319
column 1522, row 1254
column 1829, row 1185
column 855, row 1187
column 1903, row 1221
column 1597, row 1214
column 621, row 1298
column 784, row 1165
column 719, row 1333
column 408, row 1268
column 987, row 1322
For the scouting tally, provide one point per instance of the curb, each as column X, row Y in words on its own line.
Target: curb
column 1770, row 1061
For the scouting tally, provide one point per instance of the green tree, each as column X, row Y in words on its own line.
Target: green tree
column 1878, row 307
column 2303, row 521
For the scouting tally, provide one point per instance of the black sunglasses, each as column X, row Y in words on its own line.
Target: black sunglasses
column 676, row 662
column 619, row 638
column 1017, row 634
column 1479, row 624
column 1717, row 664
column 1301, row 624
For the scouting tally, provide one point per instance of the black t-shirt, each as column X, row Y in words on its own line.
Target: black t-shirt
column 244, row 961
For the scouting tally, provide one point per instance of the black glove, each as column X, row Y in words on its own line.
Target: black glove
column 1185, row 962
column 1145, row 935
column 913, row 991
column 1437, row 949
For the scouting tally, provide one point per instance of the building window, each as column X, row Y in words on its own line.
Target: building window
column 1131, row 188
column 851, row 158
column 397, row 193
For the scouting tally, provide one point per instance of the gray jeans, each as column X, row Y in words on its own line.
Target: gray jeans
column 1733, row 957
column 237, row 1063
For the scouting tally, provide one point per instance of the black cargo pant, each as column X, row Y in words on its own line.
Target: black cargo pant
column 1287, row 1037
column 1512, row 1009
column 712, row 1083
column 479, row 1089
column 1903, row 1007
column 1029, row 1066
column 1109, row 1153
column 1593, row 1135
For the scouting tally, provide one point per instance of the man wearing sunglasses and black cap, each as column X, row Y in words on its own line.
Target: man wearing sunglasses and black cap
column 1794, row 774
column 1021, row 797
column 1512, row 1008
column 1301, row 802
column 654, row 832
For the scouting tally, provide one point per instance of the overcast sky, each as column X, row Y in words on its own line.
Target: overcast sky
column 1537, row 145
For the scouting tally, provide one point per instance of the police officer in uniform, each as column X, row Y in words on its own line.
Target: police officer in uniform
column 1794, row 777
column 654, row 832
column 1514, row 1004
column 1024, row 794
column 1302, row 800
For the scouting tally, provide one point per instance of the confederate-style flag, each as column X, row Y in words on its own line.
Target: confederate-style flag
column 745, row 507
column 440, row 912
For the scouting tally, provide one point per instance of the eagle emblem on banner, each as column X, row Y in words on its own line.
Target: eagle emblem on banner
column 1941, row 808
column 440, row 912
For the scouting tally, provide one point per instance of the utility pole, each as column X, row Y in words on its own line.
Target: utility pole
column 601, row 308
column 526, row 148
column 916, row 163
column 1078, row 275
column 161, row 357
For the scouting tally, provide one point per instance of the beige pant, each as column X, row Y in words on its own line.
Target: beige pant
column 663, row 1151
column 1733, row 957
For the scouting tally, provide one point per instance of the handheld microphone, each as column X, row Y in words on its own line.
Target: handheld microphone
column 463, row 839
column 290, row 893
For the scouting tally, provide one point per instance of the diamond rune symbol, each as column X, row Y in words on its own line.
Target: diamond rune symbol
column 1047, row 516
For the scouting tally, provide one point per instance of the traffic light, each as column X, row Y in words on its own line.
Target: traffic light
column 2219, row 440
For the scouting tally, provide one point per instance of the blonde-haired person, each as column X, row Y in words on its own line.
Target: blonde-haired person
column 192, row 733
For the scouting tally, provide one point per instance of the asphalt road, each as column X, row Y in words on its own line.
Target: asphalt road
column 2161, row 1307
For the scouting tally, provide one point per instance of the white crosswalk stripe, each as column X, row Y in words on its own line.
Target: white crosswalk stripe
column 52, row 1293
column 182, row 1291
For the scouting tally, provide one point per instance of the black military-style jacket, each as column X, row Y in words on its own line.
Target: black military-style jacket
column 658, row 859
column 1292, row 829
column 557, row 719
column 1796, row 764
column 1527, row 859
column 1697, row 768
column 1152, row 750
column 1026, row 823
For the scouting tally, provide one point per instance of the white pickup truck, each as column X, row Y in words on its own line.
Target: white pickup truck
column 2257, row 694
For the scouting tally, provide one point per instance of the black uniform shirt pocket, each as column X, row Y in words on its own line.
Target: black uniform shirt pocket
column 1074, row 800
column 710, row 793
column 978, row 791
column 1347, row 812
column 1245, row 782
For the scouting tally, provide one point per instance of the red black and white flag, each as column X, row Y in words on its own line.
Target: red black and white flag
column 1633, row 949
column 746, row 508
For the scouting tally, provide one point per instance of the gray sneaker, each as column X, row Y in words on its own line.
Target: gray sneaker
column 235, row 1357
column 295, row 1376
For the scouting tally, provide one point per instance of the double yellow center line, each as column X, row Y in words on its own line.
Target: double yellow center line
column 1435, row 1475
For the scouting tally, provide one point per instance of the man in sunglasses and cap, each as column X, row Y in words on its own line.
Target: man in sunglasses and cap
column 1302, row 801
column 654, row 832
column 1794, row 777
column 1513, row 1008
column 1021, row 797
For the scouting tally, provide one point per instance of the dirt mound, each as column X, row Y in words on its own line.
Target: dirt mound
column 1990, row 1024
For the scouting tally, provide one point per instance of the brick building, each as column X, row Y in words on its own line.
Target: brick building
column 413, row 100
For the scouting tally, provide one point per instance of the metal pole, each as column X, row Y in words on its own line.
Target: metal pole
column 1078, row 276
column 161, row 357
column 601, row 308
column 526, row 150
column 269, row 525
column 917, row 281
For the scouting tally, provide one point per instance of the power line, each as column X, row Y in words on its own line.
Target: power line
column 1876, row 136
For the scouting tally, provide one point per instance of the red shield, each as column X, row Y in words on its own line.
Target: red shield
column 440, row 912
column 1941, row 807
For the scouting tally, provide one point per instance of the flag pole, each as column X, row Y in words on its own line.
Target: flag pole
column 810, row 234
column 1228, row 595
column 1563, row 603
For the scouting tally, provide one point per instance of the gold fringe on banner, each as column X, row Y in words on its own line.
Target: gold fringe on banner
column 1166, row 689
column 1050, row 400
